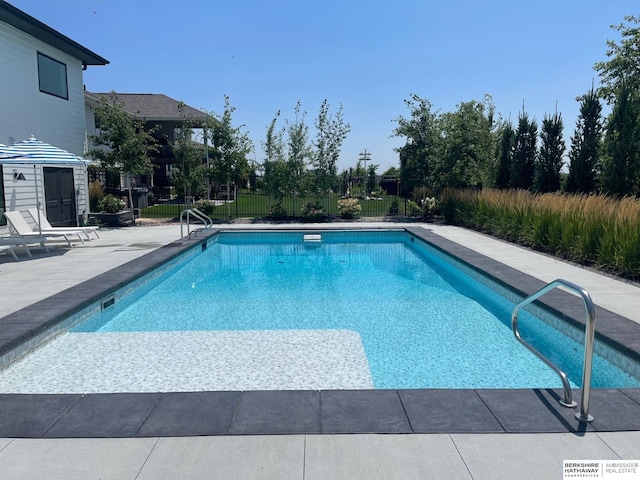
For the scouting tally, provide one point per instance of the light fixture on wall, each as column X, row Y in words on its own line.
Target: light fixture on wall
column 18, row 176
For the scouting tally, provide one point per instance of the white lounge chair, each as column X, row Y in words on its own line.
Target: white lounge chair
column 47, row 227
column 8, row 243
column 9, row 248
column 19, row 226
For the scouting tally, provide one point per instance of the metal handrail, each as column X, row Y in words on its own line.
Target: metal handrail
column 589, row 334
column 204, row 217
column 208, row 222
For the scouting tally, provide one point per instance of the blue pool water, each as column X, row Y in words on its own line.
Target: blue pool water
column 422, row 322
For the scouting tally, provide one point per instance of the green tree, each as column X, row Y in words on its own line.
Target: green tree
column 467, row 147
column 359, row 171
column 524, row 153
column 289, row 155
column 298, row 152
column 277, row 178
column 274, row 145
column 549, row 161
column 331, row 131
column 230, row 147
column 191, row 174
column 621, row 163
column 392, row 172
column 122, row 143
column 584, row 156
column 507, row 140
column 419, row 154
column 372, row 175
column 624, row 59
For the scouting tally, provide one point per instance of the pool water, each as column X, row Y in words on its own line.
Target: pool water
column 421, row 321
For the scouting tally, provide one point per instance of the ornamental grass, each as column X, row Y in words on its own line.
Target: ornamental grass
column 595, row 230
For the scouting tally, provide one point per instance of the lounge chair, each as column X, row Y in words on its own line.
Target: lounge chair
column 9, row 248
column 19, row 226
column 47, row 227
column 8, row 243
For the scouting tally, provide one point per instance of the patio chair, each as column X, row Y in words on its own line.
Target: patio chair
column 9, row 248
column 8, row 243
column 19, row 226
column 45, row 226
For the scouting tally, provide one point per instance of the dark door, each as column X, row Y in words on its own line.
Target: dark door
column 60, row 196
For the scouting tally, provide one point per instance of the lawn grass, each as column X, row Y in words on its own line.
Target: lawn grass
column 257, row 205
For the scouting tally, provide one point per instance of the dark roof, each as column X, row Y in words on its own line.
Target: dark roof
column 154, row 107
column 26, row 23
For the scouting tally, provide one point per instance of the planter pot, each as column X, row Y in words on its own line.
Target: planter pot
column 118, row 219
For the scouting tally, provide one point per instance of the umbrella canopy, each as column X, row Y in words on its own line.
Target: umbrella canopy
column 8, row 153
column 38, row 152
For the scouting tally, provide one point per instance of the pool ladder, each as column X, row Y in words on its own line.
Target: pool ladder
column 194, row 212
column 583, row 415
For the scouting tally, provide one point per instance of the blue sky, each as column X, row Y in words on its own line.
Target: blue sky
column 368, row 56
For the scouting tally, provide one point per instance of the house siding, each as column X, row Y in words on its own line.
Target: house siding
column 20, row 194
column 25, row 110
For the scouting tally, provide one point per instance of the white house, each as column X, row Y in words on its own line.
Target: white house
column 42, row 95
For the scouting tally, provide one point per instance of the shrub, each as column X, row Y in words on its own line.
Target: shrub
column 110, row 204
column 349, row 208
column 413, row 209
column 430, row 205
column 377, row 192
column 312, row 211
column 393, row 209
column 205, row 206
column 277, row 211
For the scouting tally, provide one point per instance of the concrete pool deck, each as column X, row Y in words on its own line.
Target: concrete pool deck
column 297, row 456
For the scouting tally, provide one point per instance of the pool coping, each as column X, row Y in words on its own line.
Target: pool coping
column 117, row 415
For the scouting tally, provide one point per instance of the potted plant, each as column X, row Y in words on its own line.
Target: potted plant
column 111, row 212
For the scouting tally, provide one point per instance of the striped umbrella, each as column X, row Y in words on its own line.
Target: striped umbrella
column 44, row 152
column 8, row 152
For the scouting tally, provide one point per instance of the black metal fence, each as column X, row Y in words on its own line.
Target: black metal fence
column 383, row 198
column 253, row 204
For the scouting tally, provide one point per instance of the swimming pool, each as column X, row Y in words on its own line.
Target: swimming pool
column 369, row 309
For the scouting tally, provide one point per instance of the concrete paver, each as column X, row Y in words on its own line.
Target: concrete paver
column 246, row 458
column 625, row 444
column 538, row 456
column 75, row 459
column 400, row 457
column 4, row 442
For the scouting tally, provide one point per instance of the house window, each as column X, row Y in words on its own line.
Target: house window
column 52, row 76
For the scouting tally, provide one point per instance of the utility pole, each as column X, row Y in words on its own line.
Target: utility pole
column 364, row 158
